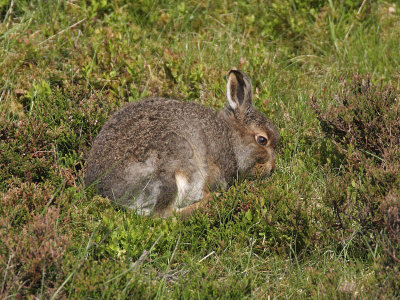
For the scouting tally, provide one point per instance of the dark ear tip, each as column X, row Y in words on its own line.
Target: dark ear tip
column 236, row 72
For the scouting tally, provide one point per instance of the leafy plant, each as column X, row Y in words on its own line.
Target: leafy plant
column 364, row 120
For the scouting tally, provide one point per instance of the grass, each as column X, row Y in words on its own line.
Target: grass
column 325, row 225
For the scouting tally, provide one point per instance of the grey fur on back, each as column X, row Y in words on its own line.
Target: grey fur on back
column 165, row 131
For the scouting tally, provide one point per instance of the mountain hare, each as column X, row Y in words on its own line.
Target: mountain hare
column 161, row 156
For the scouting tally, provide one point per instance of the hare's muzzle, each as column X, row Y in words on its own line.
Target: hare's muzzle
column 265, row 169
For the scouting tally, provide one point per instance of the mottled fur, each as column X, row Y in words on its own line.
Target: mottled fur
column 163, row 155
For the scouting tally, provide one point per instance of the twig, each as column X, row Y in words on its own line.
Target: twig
column 205, row 257
column 2, row 94
column 62, row 31
column 5, row 273
column 145, row 253
column 9, row 11
column 213, row 268
column 358, row 13
column 173, row 253
column 137, row 262
column 141, row 259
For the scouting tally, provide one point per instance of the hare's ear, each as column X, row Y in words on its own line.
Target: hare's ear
column 239, row 90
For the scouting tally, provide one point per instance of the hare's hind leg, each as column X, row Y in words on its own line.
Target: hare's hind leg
column 189, row 210
column 183, row 195
column 192, row 193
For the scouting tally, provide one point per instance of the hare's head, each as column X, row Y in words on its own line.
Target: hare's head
column 255, row 137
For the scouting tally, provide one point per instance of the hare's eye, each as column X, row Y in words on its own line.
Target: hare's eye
column 262, row 140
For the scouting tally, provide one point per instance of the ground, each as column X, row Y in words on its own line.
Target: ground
column 326, row 224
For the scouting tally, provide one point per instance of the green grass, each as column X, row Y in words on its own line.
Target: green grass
column 65, row 66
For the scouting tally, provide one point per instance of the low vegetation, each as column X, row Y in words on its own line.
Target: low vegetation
column 326, row 224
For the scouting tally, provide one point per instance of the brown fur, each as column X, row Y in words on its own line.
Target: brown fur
column 139, row 151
